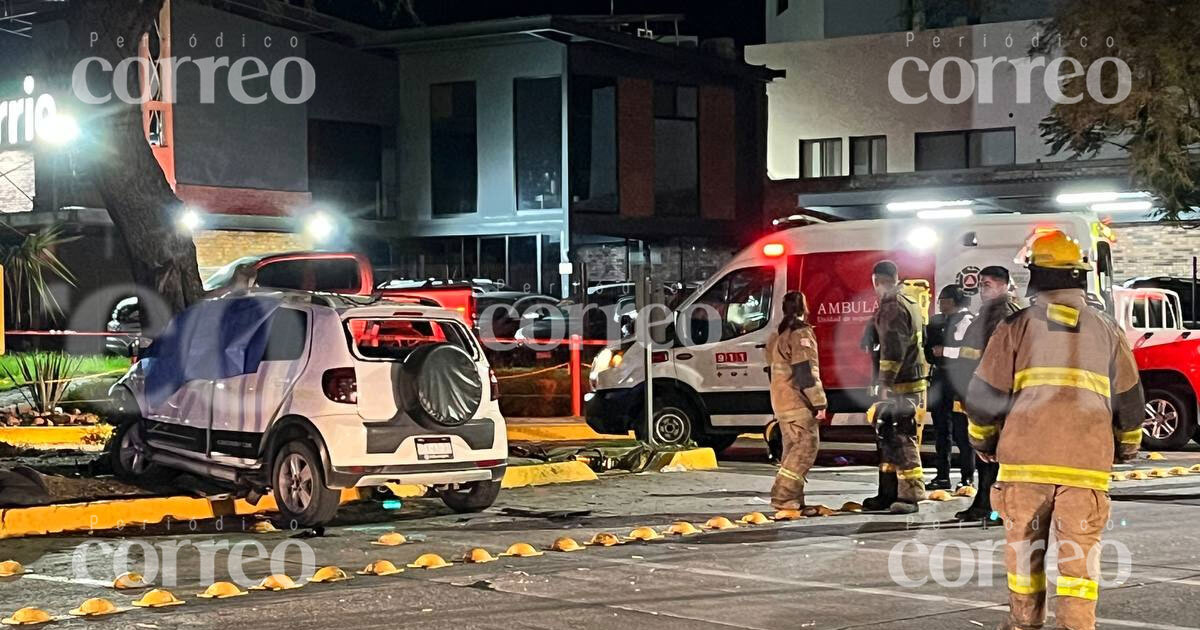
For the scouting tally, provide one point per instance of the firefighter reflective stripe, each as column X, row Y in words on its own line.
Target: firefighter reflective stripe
column 973, row 354
column 910, row 388
column 1064, row 315
column 783, row 472
column 1131, row 437
column 1027, row 584
column 910, row 473
column 887, row 468
column 1062, row 377
column 980, row 431
column 1056, row 475
column 1082, row 588
column 889, row 366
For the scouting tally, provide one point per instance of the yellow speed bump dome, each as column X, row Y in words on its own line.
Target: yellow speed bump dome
column 129, row 581
column 1177, row 471
column 221, row 590
column 328, row 574
column 682, row 528
column 380, row 567
column 276, row 582
column 719, row 522
column 158, row 598
column 1118, row 476
column 478, row 555
column 566, row 543
column 1158, row 473
column 1155, row 456
column 95, row 607
column 643, row 534
column 521, row 550
column 263, row 527
column 852, row 506
column 1195, row 469
column 605, row 539
column 429, row 561
column 390, row 539
column 818, row 510
column 9, row 568
column 27, row 617
column 966, row 491
column 788, row 515
column 940, row 495
column 1138, row 475
column 754, row 518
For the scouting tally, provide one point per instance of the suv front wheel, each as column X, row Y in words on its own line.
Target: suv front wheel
column 298, row 482
column 470, row 497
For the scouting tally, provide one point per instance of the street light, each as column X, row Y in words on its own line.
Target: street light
column 189, row 220
column 59, row 129
column 318, row 226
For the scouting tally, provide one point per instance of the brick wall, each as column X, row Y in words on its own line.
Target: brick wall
column 215, row 248
column 1155, row 250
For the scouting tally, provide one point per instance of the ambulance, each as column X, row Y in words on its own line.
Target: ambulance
column 710, row 375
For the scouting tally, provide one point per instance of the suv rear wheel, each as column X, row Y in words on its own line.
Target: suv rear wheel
column 476, row 496
column 298, row 482
column 1170, row 420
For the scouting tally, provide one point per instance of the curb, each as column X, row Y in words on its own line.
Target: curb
column 88, row 436
column 122, row 513
column 679, row 461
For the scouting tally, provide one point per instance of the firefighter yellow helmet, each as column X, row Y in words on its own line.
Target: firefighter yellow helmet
column 1055, row 250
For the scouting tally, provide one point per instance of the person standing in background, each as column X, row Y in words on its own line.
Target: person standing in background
column 998, row 304
column 797, row 399
column 947, row 329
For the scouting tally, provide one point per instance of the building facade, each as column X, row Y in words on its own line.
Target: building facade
column 535, row 151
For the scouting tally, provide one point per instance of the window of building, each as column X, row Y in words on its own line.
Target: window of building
column 345, row 165
column 551, row 253
column 868, row 155
column 821, row 158
column 537, row 142
column 965, row 149
column 593, row 144
column 741, row 301
column 452, row 147
column 676, row 151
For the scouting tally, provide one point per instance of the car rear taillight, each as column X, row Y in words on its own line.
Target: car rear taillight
column 495, row 384
column 340, row 385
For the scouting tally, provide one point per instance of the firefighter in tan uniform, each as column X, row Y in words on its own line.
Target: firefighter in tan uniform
column 1055, row 400
column 900, row 385
column 797, row 400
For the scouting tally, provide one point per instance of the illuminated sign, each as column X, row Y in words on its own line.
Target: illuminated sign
column 24, row 119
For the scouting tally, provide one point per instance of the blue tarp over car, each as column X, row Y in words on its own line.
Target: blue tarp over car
column 211, row 340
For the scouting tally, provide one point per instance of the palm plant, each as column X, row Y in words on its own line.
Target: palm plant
column 29, row 267
column 43, row 377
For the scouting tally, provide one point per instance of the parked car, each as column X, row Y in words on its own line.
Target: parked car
column 610, row 322
column 505, row 311
column 125, row 324
column 304, row 395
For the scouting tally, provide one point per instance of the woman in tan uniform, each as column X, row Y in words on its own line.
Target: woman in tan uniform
column 797, row 400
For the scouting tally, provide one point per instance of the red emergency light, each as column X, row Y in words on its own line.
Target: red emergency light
column 772, row 250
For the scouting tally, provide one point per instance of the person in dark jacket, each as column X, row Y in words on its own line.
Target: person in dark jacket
column 998, row 304
column 947, row 329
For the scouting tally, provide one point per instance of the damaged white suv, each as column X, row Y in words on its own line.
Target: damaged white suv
column 307, row 394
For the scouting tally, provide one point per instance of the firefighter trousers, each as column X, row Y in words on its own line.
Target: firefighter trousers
column 1077, row 517
column 799, row 429
column 900, row 453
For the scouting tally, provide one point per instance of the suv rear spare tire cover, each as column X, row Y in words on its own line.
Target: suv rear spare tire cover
column 441, row 384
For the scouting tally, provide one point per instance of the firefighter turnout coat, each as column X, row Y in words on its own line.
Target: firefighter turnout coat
column 899, row 329
column 1056, row 396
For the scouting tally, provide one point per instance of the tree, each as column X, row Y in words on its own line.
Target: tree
column 1158, row 124
column 115, row 155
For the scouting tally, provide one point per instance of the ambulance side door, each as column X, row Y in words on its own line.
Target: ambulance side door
column 722, row 349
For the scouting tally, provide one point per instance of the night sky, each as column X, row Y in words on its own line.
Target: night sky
column 741, row 19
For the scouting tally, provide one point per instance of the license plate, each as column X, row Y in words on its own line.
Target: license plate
column 434, row 448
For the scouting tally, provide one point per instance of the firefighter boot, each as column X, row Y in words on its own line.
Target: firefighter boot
column 887, row 492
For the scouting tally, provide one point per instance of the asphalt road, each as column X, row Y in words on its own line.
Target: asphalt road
column 844, row 571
